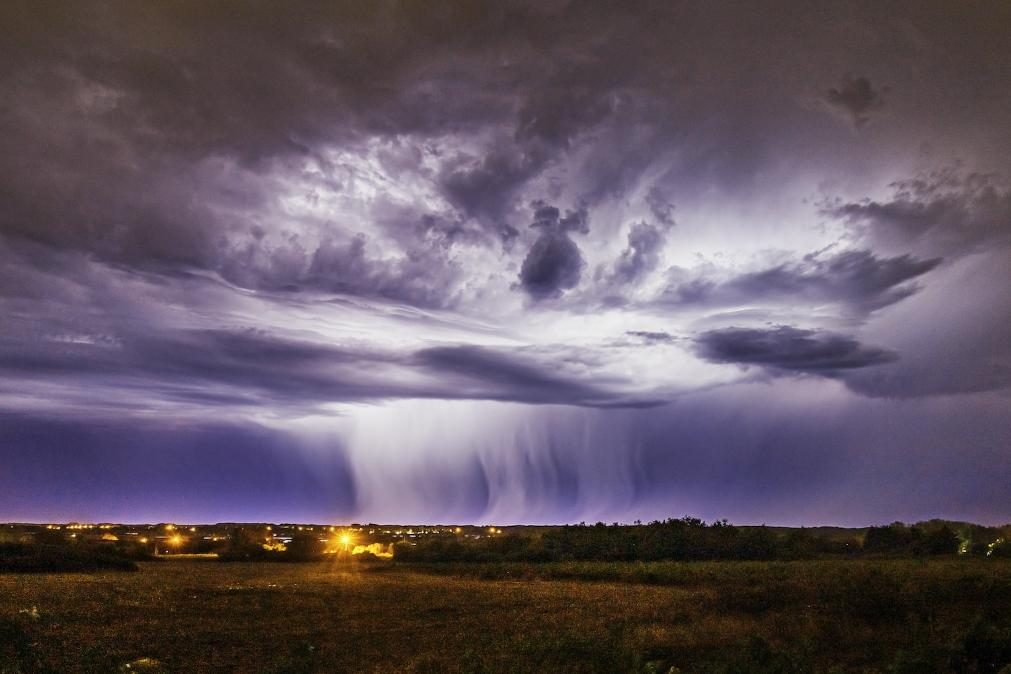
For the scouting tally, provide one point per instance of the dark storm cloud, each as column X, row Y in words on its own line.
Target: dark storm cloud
column 789, row 349
column 150, row 112
column 856, row 98
column 151, row 70
column 552, row 266
column 554, row 262
column 549, row 218
column 652, row 337
column 950, row 212
column 858, row 279
column 485, row 187
column 498, row 94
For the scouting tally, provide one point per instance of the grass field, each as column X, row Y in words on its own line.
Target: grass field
column 203, row 616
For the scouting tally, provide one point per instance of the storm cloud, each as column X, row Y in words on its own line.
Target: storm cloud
column 790, row 349
column 416, row 250
column 554, row 262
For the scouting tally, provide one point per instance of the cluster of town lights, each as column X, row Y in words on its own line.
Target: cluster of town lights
column 170, row 538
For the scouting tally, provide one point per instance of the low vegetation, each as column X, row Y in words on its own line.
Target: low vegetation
column 935, row 614
column 51, row 558
column 692, row 539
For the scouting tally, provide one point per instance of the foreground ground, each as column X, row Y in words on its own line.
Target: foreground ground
column 204, row 616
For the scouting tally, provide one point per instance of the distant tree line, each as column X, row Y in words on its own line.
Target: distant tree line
column 936, row 537
column 689, row 539
column 899, row 539
column 672, row 539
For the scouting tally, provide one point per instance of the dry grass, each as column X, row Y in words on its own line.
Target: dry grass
column 202, row 616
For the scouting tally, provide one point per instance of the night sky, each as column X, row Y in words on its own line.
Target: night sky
column 505, row 262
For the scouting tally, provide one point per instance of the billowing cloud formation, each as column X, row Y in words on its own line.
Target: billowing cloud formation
column 432, row 248
column 945, row 211
column 642, row 254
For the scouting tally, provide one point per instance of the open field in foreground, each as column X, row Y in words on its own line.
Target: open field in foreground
column 204, row 616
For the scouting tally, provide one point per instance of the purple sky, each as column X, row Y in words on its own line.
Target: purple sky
column 511, row 262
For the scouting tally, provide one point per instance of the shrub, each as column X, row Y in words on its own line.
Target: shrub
column 868, row 595
column 61, row 558
column 985, row 647
column 304, row 548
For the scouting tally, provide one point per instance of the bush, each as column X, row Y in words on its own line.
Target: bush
column 940, row 541
column 985, row 647
column 304, row 548
column 27, row 558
